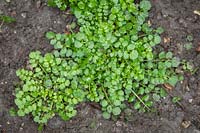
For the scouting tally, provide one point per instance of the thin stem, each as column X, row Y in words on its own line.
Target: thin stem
column 140, row 100
column 106, row 95
column 156, row 60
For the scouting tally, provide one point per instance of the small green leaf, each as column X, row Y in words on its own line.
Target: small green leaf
column 133, row 55
column 126, row 55
column 50, row 35
column 12, row 112
column 20, row 113
column 156, row 97
column 176, row 99
column 137, row 105
column 78, row 44
column 145, row 5
column 116, row 111
column 117, row 103
column 106, row 115
column 169, row 55
column 157, row 39
column 173, row 80
column 104, row 103
column 159, row 30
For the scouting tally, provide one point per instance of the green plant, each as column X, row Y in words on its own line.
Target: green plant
column 109, row 61
column 176, row 99
column 48, row 88
column 62, row 4
column 190, row 38
column 12, row 112
column 188, row 46
column 6, row 19
column 187, row 66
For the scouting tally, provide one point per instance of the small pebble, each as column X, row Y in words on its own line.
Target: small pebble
column 118, row 124
column 187, row 88
column 38, row 4
column 8, row 122
column 8, row 1
column 23, row 15
column 22, row 124
column 190, row 100
column 186, row 124
column 13, row 13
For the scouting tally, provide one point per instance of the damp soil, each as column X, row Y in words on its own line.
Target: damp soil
column 34, row 18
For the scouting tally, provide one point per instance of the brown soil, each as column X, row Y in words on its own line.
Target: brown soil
column 34, row 18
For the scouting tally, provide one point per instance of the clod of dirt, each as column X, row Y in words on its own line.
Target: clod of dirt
column 55, row 123
column 198, row 47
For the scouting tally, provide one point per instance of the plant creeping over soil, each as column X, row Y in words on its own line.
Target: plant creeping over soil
column 109, row 61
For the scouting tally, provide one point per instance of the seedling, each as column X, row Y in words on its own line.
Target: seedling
column 190, row 38
column 188, row 46
column 176, row 99
column 187, row 66
column 5, row 19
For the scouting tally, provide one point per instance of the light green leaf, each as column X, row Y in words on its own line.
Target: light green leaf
column 133, row 55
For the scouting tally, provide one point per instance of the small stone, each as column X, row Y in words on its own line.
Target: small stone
column 13, row 13
column 186, row 124
column 23, row 15
column 8, row 1
column 22, row 124
column 164, row 15
column 118, row 124
column 58, row 22
column 190, row 100
column 187, row 88
column 8, row 122
column 55, row 123
column 38, row 4
column 159, row 16
column 197, row 12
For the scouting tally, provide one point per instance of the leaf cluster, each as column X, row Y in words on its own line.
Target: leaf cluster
column 109, row 61
column 49, row 88
column 6, row 19
column 61, row 4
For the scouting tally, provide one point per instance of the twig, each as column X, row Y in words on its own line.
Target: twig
column 1, row 25
column 140, row 100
